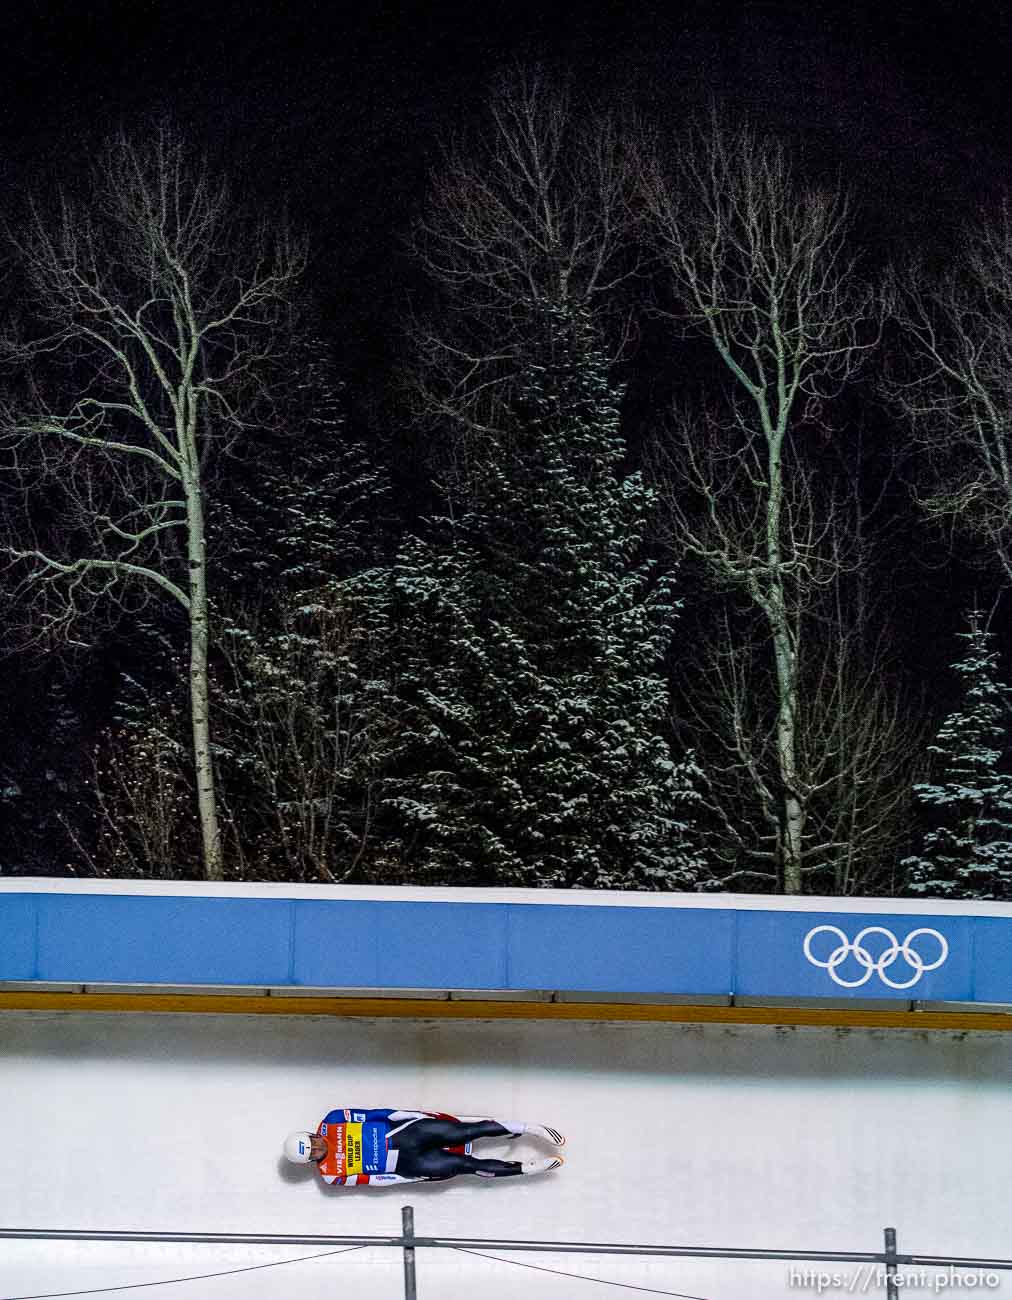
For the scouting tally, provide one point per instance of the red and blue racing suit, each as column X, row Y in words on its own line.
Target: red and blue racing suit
column 376, row 1147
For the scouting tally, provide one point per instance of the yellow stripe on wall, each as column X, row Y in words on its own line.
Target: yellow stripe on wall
column 429, row 1009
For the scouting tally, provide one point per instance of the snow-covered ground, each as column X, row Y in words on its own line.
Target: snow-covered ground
column 693, row 1135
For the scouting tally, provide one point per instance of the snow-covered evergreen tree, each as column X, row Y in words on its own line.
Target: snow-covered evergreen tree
column 530, row 674
column 309, row 503
column 967, row 853
column 303, row 728
column 306, row 732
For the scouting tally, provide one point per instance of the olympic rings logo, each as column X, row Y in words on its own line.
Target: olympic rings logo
column 876, row 965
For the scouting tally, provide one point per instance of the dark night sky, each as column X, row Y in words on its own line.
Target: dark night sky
column 339, row 107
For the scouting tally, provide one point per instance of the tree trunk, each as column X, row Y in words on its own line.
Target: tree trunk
column 785, row 655
column 207, row 803
column 793, row 810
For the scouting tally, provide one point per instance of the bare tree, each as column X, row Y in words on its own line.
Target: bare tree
column 953, row 384
column 163, row 310
column 528, row 214
column 757, row 265
column 858, row 752
column 306, row 730
column 142, row 801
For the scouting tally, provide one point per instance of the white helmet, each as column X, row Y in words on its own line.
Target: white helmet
column 297, row 1148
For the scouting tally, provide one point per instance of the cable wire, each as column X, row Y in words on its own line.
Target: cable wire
column 582, row 1277
column 197, row 1277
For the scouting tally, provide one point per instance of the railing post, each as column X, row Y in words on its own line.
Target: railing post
column 408, row 1235
column 892, row 1291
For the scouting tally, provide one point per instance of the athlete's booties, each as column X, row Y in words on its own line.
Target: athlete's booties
column 542, row 1166
column 546, row 1133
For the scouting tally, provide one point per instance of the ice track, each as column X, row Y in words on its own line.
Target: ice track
column 745, row 1136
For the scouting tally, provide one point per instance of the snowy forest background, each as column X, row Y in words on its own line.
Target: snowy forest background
column 667, row 550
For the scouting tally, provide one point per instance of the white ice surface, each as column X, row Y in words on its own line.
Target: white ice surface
column 692, row 1135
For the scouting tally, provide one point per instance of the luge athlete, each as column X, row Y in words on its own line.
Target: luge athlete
column 377, row 1147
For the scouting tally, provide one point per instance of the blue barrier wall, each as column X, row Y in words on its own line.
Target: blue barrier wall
column 278, row 942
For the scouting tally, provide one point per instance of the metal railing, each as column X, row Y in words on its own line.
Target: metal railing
column 889, row 1259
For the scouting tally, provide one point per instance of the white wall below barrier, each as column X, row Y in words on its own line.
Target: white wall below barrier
column 739, row 1136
